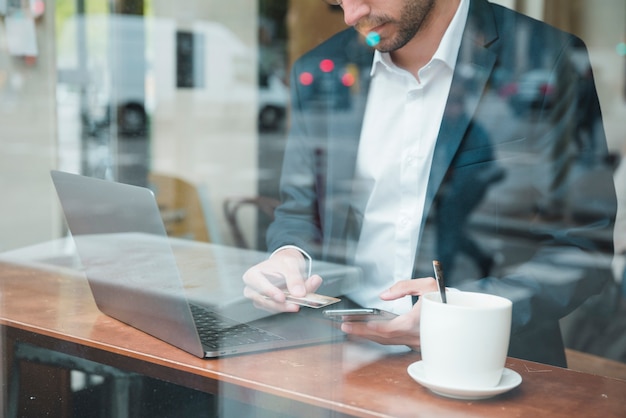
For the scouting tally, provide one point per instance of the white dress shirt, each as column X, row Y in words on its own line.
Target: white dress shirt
column 402, row 119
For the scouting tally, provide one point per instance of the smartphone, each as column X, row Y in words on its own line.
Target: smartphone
column 358, row 315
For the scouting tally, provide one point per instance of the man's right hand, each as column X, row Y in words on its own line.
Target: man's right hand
column 284, row 270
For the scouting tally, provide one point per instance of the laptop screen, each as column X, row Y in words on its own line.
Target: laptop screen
column 122, row 244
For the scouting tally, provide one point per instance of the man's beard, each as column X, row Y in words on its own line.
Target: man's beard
column 413, row 16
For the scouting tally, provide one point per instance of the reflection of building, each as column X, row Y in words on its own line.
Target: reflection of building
column 204, row 66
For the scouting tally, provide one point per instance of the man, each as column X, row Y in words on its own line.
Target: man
column 375, row 183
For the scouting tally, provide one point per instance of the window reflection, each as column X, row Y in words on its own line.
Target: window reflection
column 200, row 92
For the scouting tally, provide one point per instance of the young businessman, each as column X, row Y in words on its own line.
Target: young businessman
column 440, row 151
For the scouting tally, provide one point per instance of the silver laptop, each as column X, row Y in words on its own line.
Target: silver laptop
column 132, row 271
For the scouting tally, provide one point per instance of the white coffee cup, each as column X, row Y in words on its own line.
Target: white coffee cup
column 464, row 342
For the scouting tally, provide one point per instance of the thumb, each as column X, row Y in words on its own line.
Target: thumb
column 413, row 287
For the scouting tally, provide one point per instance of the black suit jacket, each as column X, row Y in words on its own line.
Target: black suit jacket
column 502, row 175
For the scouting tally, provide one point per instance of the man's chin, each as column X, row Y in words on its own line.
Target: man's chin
column 382, row 47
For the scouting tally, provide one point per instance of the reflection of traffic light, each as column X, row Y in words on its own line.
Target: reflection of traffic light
column 306, row 78
column 347, row 79
column 328, row 83
column 350, row 78
column 327, row 65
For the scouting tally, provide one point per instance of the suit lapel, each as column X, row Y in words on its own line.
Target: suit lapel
column 479, row 32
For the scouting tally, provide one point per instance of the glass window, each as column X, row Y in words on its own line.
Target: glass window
column 514, row 179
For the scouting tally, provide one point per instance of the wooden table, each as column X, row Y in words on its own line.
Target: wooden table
column 53, row 308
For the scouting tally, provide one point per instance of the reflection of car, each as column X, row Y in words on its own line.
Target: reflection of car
column 533, row 89
column 273, row 99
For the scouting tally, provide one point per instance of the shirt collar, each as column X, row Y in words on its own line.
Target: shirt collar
column 448, row 49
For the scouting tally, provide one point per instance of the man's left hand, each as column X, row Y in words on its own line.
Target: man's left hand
column 403, row 330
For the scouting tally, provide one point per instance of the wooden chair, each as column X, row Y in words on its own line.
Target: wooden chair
column 265, row 205
column 182, row 207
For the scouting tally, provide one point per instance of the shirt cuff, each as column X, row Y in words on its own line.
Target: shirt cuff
column 293, row 247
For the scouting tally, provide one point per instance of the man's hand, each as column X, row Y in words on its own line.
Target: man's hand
column 266, row 281
column 403, row 330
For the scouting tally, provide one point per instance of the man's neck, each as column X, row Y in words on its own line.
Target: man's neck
column 420, row 50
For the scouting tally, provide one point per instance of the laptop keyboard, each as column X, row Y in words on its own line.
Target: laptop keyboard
column 217, row 331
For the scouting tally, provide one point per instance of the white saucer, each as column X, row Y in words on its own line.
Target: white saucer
column 510, row 379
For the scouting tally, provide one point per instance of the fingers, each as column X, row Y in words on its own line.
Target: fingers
column 414, row 287
column 312, row 283
column 267, row 303
column 266, row 282
column 261, row 280
column 293, row 266
column 398, row 331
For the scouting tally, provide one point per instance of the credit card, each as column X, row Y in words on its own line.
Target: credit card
column 312, row 300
